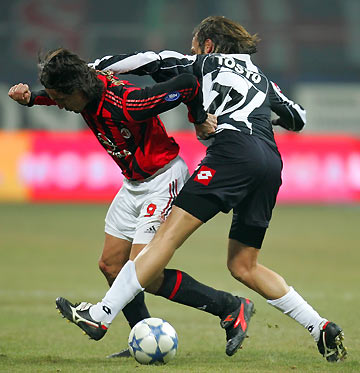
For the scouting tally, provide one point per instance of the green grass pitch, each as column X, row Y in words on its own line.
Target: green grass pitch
column 52, row 250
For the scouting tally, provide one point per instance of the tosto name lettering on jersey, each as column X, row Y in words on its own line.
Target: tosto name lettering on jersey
column 232, row 64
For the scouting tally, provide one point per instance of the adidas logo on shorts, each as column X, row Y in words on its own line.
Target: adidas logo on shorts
column 151, row 229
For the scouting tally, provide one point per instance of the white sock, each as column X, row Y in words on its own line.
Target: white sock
column 293, row 305
column 123, row 290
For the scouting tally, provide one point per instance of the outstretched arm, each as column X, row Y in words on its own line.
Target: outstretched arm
column 22, row 94
column 141, row 104
column 161, row 66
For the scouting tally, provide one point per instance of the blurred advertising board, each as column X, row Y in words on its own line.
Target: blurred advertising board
column 38, row 166
column 320, row 168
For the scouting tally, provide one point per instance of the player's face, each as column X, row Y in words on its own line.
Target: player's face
column 195, row 48
column 75, row 101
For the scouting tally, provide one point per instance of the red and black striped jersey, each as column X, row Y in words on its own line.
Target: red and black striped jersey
column 126, row 121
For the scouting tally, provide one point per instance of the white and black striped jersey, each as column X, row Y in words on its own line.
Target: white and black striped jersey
column 234, row 89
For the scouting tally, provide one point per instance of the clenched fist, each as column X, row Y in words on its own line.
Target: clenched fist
column 20, row 93
column 206, row 129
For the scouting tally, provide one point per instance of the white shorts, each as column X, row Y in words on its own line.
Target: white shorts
column 139, row 207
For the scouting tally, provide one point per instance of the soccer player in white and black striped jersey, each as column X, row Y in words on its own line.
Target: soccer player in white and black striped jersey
column 241, row 172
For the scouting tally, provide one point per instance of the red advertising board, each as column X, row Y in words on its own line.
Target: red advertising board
column 320, row 168
column 72, row 166
column 69, row 167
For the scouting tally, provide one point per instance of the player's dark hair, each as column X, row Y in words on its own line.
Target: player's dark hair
column 227, row 36
column 66, row 72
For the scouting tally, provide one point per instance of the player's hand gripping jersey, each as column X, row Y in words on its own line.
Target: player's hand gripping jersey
column 234, row 89
column 126, row 124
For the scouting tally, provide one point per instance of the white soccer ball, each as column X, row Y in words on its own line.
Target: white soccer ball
column 153, row 340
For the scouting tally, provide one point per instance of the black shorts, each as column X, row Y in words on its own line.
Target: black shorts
column 241, row 173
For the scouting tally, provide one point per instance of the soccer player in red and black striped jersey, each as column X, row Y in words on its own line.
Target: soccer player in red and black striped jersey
column 124, row 120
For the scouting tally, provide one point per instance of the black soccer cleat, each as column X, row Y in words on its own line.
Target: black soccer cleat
column 330, row 344
column 122, row 353
column 236, row 325
column 79, row 315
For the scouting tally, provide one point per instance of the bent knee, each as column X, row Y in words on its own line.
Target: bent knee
column 156, row 284
column 240, row 272
column 110, row 270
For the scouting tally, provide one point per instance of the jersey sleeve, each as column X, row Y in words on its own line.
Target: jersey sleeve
column 141, row 104
column 161, row 66
column 40, row 98
column 291, row 115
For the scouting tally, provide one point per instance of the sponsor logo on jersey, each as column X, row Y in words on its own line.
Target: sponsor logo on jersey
column 204, row 175
column 125, row 133
column 107, row 143
column 120, row 154
column 172, row 96
column 111, row 148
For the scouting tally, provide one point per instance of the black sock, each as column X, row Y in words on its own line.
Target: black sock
column 179, row 287
column 136, row 310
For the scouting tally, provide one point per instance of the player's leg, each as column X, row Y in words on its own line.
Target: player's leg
column 115, row 254
column 154, row 199
column 251, row 217
column 179, row 287
column 120, row 225
column 150, row 263
column 116, row 295
column 243, row 265
column 120, row 228
column 174, row 284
